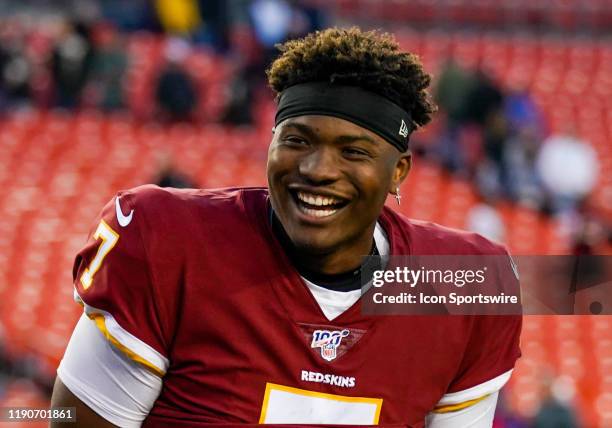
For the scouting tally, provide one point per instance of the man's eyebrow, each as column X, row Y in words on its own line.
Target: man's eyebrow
column 344, row 139
column 302, row 128
column 341, row 139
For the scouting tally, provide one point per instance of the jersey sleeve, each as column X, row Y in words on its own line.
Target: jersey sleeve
column 106, row 380
column 116, row 285
column 492, row 348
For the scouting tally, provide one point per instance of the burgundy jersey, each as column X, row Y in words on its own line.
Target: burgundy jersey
column 194, row 285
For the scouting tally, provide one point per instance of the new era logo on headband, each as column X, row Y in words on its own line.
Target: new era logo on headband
column 403, row 131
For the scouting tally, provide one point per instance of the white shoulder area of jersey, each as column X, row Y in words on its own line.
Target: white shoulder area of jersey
column 106, row 380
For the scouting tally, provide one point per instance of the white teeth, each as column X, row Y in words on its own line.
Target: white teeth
column 318, row 213
column 316, row 200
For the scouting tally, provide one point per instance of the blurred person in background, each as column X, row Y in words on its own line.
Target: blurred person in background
column 35, row 370
column 450, row 93
column 522, row 112
column 493, row 171
column 247, row 61
column 25, row 367
column 525, row 131
column 485, row 98
column 180, row 18
column 452, row 88
column 131, row 15
column 72, row 63
column 270, row 22
column 15, row 72
column 588, row 231
column 483, row 110
column 274, row 21
column 569, row 170
column 175, row 90
column 555, row 409
column 216, row 25
column 240, row 98
column 203, row 21
column 506, row 416
column 523, row 182
column 169, row 176
column 484, row 218
column 109, row 69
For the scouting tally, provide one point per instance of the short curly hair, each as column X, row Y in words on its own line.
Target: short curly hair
column 371, row 60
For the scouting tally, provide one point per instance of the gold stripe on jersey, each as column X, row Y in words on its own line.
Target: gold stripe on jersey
column 459, row 406
column 101, row 324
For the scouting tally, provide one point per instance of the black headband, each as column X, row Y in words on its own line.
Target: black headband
column 364, row 108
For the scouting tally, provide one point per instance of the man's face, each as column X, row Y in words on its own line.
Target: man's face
column 329, row 179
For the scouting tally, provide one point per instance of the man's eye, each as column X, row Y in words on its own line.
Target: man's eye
column 295, row 141
column 351, row 151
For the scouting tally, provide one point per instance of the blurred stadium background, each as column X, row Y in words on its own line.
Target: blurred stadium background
column 97, row 96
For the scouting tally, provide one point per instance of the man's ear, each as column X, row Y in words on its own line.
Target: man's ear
column 402, row 168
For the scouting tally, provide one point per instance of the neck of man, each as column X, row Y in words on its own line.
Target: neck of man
column 341, row 261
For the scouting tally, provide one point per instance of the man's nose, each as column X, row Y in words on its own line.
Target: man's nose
column 320, row 165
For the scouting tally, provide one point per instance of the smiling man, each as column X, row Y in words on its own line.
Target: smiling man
column 329, row 179
column 232, row 307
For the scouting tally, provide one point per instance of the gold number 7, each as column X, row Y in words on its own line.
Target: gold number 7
column 109, row 239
